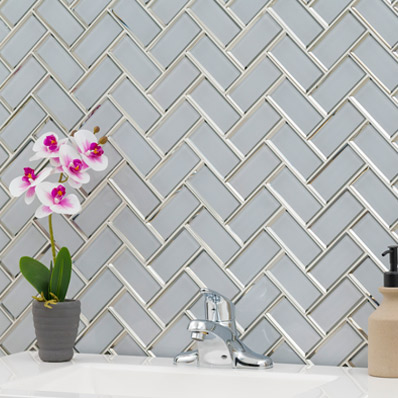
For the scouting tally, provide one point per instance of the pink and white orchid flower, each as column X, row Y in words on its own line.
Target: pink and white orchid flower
column 28, row 183
column 90, row 151
column 47, row 147
column 53, row 199
column 73, row 166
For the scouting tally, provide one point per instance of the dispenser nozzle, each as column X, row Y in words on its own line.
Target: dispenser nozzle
column 391, row 277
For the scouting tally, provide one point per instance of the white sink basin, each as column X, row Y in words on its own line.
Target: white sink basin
column 24, row 375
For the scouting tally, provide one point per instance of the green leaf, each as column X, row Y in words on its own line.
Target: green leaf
column 36, row 273
column 61, row 273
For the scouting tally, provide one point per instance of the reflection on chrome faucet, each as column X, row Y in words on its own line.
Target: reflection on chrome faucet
column 217, row 340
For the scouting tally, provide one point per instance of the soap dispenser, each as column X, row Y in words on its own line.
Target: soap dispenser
column 383, row 325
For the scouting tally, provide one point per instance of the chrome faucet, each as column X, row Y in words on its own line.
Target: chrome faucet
column 217, row 340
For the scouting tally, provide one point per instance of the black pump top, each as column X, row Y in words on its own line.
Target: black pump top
column 391, row 277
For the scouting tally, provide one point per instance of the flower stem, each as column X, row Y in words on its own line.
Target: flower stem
column 50, row 227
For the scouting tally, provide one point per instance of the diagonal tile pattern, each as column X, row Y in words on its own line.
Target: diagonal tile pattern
column 252, row 148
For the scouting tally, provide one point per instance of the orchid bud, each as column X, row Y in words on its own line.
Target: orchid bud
column 96, row 129
column 103, row 140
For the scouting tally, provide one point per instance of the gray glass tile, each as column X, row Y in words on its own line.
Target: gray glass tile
column 19, row 297
column 136, row 232
column 136, row 191
column 360, row 360
column 214, row 149
column 137, row 150
column 25, row 37
column 97, row 82
column 337, row 173
column 175, row 83
column 99, row 336
column 335, row 305
column 327, row 10
column 255, row 128
column 175, row 126
column 22, row 82
column 105, row 115
column 15, row 217
column 370, row 276
column 381, row 18
column 97, row 39
column 254, row 171
column 247, row 10
column 295, row 282
column 27, row 243
column 214, row 62
column 377, row 151
column 136, row 275
column 295, row 238
column 96, row 212
column 298, row 20
column 254, row 84
column 127, row 346
column 337, row 347
column 336, row 218
column 212, row 276
column 290, row 191
column 175, row 212
column 373, row 237
column 136, row 62
column 21, row 335
column 255, row 40
column 378, row 61
column 88, row 10
column 254, row 257
column 254, row 214
column 60, row 62
column 380, row 110
column 337, row 129
column 4, row 281
column 295, row 325
column 174, row 169
column 99, row 293
column 361, row 317
column 262, row 337
column 296, row 63
column 174, row 298
column 255, row 301
column 97, row 253
column 60, row 20
column 285, row 354
column 4, row 72
column 175, row 39
column 338, row 84
column 13, row 11
column 22, row 124
column 213, row 192
column 59, row 104
column 337, row 260
column 214, row 106
column 4, row 30
column 216, row 20
column 174, row 255
column 167, row 9
column 214, row 235
column 136, row 318
column 337, row 40
column 5, row 323
column 176, row 339
column 137, row 20
column 296, row 107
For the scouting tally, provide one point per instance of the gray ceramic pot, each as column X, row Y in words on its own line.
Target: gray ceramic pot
column 56, row 329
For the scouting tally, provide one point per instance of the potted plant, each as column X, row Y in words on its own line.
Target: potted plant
column 55, row 317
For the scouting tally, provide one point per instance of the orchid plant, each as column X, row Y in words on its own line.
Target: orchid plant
column 72, row 158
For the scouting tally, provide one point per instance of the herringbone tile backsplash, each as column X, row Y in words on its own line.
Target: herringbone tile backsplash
column 252, row 148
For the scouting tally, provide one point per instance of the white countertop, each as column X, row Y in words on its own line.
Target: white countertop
column 88, row 376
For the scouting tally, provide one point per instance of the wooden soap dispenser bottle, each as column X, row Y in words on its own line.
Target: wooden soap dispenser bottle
column 383, row 325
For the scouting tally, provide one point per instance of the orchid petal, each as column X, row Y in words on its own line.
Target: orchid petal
column 18, row 186
column 97, row 163
column 43, row 175
column 67, row 154
column 43, row 211
column 30, row 195
column 83, row 139
column 43, row 192
column 74, row 184
column 68, row 205
column 40, row 141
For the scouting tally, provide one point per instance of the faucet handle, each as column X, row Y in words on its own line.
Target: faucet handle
column 217, row 307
